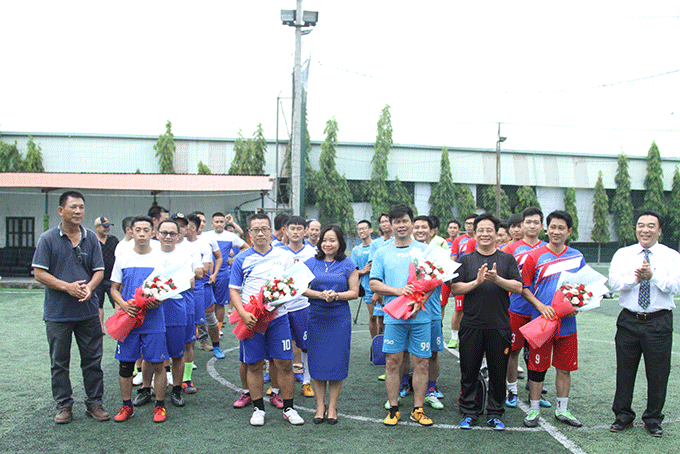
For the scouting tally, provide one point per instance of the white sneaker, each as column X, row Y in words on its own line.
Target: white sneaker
column 520, row 370
column 194, row 367
column 137, row 379
column 292, row 417
column 168, row 375
column 258, row 418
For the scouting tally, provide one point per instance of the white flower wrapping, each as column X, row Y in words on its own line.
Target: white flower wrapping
column 301, row 276
column 180, row 273
column 440, row 258
column 594, row 282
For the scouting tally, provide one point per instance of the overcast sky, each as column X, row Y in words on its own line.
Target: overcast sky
column 583, row 76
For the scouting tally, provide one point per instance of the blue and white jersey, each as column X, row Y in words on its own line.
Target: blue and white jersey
column 307, row 252
column 251, row 270
column 175, row 310
column 391, row 266
column 226, row 241
column 130, row 270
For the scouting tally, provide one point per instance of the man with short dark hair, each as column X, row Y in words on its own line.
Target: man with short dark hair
column 68, row 261
column 108, row 244
column 279, row 234
column 515, row 224
column 157, row 213
column 647, row 275
column 360, row 255
column 126, row 243
column 486, row 277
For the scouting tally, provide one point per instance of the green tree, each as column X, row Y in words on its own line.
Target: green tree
column 600, row 233
column 672, row 225
column 488, row 202
column 333, row 195
column 654, row 199
column 239, row 163
column 622, row 205
column 165, row 150
column 398, row 194
column 570, row 207
column 10, row 158
column 526, row 197
column 379, row 195
column 465, row 201
column 203, row 169
column 310, row 173
column 258, row 149
column 34, row 158
column 443, row 196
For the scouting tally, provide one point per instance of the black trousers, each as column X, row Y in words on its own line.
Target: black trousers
column 653, row 339
column 474, row 343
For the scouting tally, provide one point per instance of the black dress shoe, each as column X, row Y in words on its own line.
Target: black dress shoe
column 332, row 421
column 317, row 420
column 619, row 426
column 654, row 429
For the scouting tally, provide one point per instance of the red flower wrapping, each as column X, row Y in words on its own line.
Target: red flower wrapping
column 400, row 307
column 256, row 307
column 119, row 325
column 538, row 331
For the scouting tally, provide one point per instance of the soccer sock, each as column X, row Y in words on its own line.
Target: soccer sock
column 484, row 365
column 219, row 324
column 128, row 402
column 287, row 403
column 160, row 403
column 404, row 380
column 454, row 334
column 535, row 405
column 562, row 404
column 512, row 387
column 431, row 386
column 188, row 369
column 394, row 410
column 176, row 389
column 167, row 368
column 306, row 378
column 258, row 403
column 275, row 391
column 216, row 344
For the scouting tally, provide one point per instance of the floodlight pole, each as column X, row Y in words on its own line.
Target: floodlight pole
column 498, row 171
column 295, row 158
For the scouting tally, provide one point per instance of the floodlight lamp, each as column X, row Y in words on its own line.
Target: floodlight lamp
column 501, row 139
column 310, row 18
column 288, row 17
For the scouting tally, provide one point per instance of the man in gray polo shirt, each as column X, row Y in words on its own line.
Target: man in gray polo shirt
column 68, row 261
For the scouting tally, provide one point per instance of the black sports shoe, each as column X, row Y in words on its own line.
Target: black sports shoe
column 177, row 399
column 143, row 397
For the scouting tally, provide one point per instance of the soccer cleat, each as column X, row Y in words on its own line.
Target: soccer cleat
column 392, row 420
column 496, row 423
column 188, row 387
column 485, row 372
column 205, row 345
column 433, row 402
column 420, row 417
column 292, row 416
column 568, row 418
column 243, row 400
column 307, row 390
column 532, row 418
column 403, row 390
column 298, row 377
column 275, row 400
column 258, row 418
column 388, row 406
column 381, row 377
column 466, row 423
column 438, row 394
column 453, row 343
column 137, row 379
column 544, row 403
column 160, row 413
column 168, row 377
column 126, row 412
column 143, row 397
column 218, row 352
column 266, row 377
column 543, row 391
column 194, row 367
column 511, row 401
column 520, row 373
column 177, row 399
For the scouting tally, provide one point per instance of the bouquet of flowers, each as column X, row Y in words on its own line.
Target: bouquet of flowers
column 428, row 270
column 156, row 287
column 579, row 291
column 275, row 292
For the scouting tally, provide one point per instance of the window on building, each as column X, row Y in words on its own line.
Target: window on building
column 20, row 232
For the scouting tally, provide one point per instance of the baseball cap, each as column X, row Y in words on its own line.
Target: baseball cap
column 101, row 220
column 179, row 216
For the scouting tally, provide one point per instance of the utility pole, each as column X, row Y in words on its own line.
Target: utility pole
column 295, row 158
column 498, row 171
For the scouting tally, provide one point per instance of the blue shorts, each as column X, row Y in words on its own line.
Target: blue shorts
column 298, row 327
column 152, row 346
column 174, row 338
column 414, row 337
column 378, row 310
column 221, row 289
column 190, row 330
column 209, row 296
column 274, row 343
column 368, row 294
column 240, row 351
column 436, row 341
column 199, row 309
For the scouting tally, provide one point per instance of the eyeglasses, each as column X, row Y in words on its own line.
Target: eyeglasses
column 258, row 231
column 170, row 234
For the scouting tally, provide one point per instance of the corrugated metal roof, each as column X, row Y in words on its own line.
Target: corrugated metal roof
column 138, row 182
